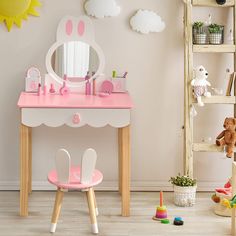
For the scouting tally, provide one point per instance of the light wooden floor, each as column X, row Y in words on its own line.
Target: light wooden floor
column 74, row 219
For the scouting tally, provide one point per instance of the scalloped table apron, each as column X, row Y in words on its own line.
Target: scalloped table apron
column 75, row 111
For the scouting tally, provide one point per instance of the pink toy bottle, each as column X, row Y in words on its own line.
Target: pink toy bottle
column 39, row 89
column 51, row 90
column 87, row 85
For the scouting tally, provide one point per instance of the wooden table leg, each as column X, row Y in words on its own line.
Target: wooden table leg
column 119, row 161
column 30, row 161
column 124, row 134
column 24, row 169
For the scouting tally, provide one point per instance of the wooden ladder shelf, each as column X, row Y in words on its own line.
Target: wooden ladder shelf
column 189, row 146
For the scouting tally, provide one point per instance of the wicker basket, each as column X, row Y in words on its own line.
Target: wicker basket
column 184, row 196
column 217, row 38
column 221, row 210
column 199, row 35
column 200, row 38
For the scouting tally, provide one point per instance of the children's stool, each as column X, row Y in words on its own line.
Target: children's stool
column 82, row 178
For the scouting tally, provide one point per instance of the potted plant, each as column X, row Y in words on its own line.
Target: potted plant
column 216, row 35
column 184, row 190
column 199, row 33
column 221, row 2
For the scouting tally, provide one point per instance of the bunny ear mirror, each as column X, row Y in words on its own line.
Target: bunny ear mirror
column 75, row 54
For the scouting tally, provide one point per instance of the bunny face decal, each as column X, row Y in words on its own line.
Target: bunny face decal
column 75, row 53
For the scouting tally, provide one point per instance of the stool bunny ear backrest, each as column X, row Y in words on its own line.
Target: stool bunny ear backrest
column 63, row 162
column 88, row 164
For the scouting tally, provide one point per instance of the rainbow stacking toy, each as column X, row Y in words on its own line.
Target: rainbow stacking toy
column 161, row 211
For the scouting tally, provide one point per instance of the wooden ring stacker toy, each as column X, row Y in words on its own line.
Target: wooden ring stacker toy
column 161, row 211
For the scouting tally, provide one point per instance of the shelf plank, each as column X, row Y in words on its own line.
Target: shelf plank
column 212, row 3
column 227, row 48
column 218, row 100
column 206, row 147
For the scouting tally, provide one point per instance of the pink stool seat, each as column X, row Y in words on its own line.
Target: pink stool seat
column 74, row 181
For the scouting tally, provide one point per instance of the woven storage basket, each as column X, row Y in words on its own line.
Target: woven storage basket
column 184, row 196
column 200, row 38
column 220, row 209
column 216, row 38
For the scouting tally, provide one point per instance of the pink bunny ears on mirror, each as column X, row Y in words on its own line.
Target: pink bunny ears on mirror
column 80, row 27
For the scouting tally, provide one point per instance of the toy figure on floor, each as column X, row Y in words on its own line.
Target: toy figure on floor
column 200, row 84
column 229, row 203
column 226, row 190
column 227, row 137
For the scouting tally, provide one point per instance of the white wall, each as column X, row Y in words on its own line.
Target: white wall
column 155, row 81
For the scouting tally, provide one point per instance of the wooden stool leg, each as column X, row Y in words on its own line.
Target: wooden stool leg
column 233, row 232
column 24, row 168
column 125, row 166
column 56, row 210
column 30, row 162
column 120, row 160
column 92, row 211
column 95, row 203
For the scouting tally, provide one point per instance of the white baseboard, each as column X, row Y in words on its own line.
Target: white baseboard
column 112, row 186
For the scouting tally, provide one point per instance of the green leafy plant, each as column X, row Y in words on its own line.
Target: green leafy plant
column 183, row 181
column 198, row 27
column 214, row 29
column 198, row 24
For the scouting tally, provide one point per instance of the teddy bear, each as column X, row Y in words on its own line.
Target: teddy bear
column 228, row 136
column 200, row 84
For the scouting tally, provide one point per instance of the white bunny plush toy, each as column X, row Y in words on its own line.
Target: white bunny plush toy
column 200, row 84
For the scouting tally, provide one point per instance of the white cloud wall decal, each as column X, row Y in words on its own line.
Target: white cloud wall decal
column 145, row 22
column 102, row 8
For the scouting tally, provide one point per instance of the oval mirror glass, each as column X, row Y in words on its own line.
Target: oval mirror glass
column 75, row 59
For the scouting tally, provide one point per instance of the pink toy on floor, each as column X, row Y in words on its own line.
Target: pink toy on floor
column 228, row 184
column 227, row 190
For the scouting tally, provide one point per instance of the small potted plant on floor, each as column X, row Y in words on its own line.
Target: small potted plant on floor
column 199, row 33
column 184, row 190
column 216, row 34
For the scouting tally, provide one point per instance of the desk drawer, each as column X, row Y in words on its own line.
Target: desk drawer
column 53, row 117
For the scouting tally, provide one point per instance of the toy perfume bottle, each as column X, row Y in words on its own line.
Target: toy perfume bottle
column 64, row 89
column 39, row 89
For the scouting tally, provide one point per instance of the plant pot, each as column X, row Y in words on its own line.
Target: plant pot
column 221, row 2
column 184, row 196
column 200, row 38
column 216, row 38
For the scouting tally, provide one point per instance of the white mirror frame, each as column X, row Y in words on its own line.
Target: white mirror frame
column 67, row 31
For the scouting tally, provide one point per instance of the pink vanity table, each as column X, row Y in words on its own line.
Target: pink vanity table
column 74, row 110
